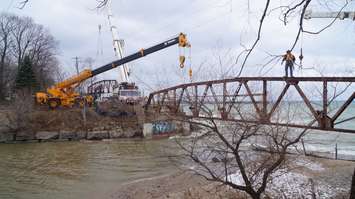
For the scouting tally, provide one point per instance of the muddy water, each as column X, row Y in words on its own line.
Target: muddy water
column 77, row 169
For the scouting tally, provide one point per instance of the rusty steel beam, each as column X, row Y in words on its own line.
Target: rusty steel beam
column 290, row 125
column 307, row 102
column 265, row 102
column 179, row 100
column 278, row 101
column 234, row 98
column 342, row 109
column 279, row 79
column 252, row 99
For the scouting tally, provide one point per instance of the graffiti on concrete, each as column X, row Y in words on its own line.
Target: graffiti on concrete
column 162, row 127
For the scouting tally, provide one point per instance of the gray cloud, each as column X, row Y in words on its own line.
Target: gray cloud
column 213, row 26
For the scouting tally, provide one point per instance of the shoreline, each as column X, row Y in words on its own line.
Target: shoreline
column 332, row 180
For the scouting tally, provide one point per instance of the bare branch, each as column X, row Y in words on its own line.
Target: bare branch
column 258, row 37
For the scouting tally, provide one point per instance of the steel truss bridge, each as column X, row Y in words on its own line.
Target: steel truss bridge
column 325, row 100
column 99, row 88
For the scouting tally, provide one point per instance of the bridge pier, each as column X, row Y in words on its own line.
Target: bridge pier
column 165, row 129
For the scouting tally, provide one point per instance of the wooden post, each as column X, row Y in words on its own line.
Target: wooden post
column 352, row 189
column 264, row 100
column 195, row 113
column 336, row 151
column 304, row 148
column 325, row 98
column 224, row 116
column 174, row 99
column 84, row 113
column 324, row 122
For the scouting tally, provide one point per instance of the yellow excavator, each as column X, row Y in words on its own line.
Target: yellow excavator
column 63, row 94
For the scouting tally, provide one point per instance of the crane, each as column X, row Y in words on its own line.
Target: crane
column 117, row 44
column 309, row 14
column 64, row 94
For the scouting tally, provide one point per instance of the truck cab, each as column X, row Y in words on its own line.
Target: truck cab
column 128, row 93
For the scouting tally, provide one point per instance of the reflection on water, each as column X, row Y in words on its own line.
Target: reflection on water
column 77, row 169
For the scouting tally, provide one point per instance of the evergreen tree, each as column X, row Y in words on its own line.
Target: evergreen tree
column 26, row 77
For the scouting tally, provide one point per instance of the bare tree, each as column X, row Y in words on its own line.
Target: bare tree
column 223, row 151
column 22, row 4
column 43, row 54
column 21, row 36
column 6, row 27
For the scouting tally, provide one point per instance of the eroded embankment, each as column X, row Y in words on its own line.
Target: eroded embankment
column 65, row 124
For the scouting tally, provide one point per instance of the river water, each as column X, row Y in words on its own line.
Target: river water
column 95, row 169
column 78, row 169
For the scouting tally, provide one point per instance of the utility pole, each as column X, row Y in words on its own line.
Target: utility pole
column 77, row 59
column 83, row 111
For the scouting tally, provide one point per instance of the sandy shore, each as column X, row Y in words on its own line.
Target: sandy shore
column 332, row 179
column 182, row 184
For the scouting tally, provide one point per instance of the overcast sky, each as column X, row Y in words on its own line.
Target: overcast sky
column 215, row 29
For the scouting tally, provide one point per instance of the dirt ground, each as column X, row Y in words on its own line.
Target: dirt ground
column 335, row 175
column 68, row 119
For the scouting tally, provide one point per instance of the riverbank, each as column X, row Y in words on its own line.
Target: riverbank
column 65, row 125
column 331, row 179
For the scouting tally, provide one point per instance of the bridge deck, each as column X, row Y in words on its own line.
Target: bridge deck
column 241, row 79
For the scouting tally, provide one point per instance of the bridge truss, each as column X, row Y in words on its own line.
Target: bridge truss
column 98, row 89
column 319, row 103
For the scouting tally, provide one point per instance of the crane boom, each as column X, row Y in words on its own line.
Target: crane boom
column 82, row 76
column 340, row 15
column 181, row 40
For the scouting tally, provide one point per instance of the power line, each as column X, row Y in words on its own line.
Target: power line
column 11, row 3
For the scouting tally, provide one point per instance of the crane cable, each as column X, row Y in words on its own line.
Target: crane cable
column 190, row 64
column 182, row 59
column 99, row 50
column 301, row 55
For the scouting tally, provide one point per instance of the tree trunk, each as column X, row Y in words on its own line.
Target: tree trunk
column 352, row 191
column 2, row 87
column 2, row 67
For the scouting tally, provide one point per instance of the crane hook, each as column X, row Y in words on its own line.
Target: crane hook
column 301, row 58
column 182, row 61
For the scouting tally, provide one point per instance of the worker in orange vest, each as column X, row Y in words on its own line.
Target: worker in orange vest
column 290, row 61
